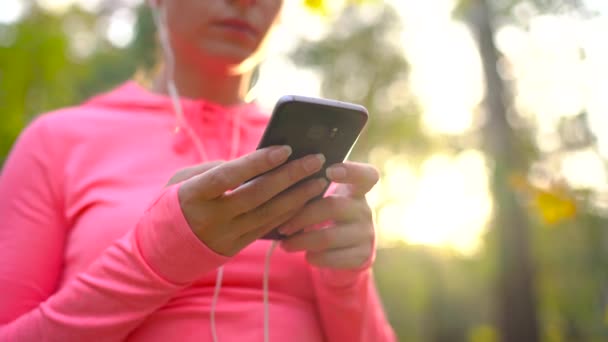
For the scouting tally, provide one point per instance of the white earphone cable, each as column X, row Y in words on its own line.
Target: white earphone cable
column 160, row 19
column 236, row 137
column 161, row 23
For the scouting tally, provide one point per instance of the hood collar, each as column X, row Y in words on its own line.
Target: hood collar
column 131, row 95
column 198, row 114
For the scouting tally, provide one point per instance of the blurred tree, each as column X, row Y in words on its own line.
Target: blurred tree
column 517, row 299
column 354, row 72
column 39, row 73
column 361, row 62
column 35, row 73
column 521, row 247
column 427, row 294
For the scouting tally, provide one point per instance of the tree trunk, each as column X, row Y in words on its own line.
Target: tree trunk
column 517, row 318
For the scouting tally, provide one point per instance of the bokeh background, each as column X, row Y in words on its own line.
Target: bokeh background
column 489, row 124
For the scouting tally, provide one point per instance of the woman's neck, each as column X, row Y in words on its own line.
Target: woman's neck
column 218, row 87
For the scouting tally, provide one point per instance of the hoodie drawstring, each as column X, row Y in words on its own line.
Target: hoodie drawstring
column 266, row 292
column 216, row 295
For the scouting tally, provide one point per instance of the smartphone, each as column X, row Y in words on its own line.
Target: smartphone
column 314, row 125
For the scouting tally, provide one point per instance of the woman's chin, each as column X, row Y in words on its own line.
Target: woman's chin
column 230, row 56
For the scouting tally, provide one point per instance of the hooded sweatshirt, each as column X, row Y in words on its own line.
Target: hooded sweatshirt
column 94, row 247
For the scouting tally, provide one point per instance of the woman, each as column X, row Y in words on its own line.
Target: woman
column 97, row 246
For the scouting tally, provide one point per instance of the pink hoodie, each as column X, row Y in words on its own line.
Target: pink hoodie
column 93, row 248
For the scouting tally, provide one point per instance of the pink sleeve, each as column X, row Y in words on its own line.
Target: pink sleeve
column 131, row 279
column 349, row 306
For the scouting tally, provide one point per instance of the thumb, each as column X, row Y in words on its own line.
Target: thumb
column 189, row 172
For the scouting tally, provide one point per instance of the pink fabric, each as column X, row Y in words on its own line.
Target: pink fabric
column 93, row 248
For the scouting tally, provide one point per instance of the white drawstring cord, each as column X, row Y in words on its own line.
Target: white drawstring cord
column 266, row 300
column 265, row 291
column 216, row 295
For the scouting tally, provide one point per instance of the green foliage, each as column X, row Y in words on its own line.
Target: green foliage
column 435, row 296
column 360, row 63
column 428, row 293
column 38, row 73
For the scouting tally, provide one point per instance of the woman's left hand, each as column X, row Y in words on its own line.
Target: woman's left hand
column 349, row 242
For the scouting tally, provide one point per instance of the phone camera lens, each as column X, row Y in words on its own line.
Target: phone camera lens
column 316, row 132
column 333, row 132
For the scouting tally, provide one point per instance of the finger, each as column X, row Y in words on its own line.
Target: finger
column 279, row 220
column 244, row 241
column 344, row 258
column 263, row 230
column 257, row 223
column 337, row 208
column 340, row 236
column 361, row 177
column 192, row 171
column 229, row 175
column 260, row 190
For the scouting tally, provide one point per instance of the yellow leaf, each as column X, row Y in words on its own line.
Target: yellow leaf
column 554, row 204
column 319, row 6
column 324, row 8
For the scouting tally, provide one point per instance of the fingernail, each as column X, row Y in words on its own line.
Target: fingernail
column 336, row 172
column 314, row 163
column 280, row 154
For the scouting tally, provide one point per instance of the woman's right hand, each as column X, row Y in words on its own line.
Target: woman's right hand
column 227, row 213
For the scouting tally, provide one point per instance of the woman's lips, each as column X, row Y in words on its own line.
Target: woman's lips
column 237, row 25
